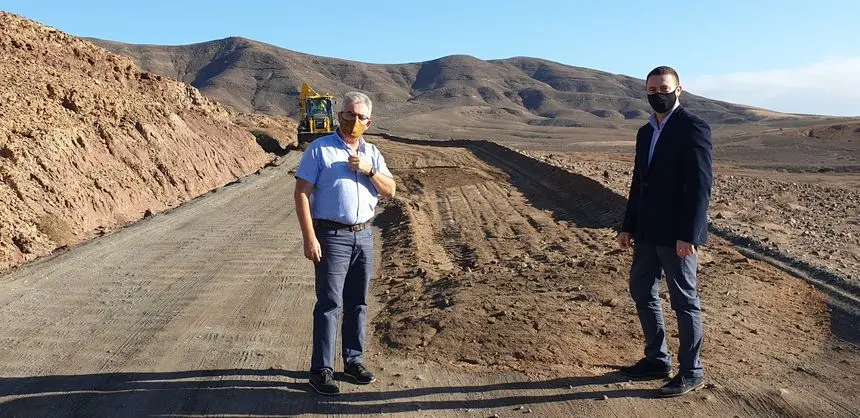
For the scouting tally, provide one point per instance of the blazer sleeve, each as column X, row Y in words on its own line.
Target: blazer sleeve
column 697, row 183
column 630, row 214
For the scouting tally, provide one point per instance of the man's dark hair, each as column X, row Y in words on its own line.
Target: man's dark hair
column 663, row 70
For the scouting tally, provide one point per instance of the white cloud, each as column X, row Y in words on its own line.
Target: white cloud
column 830, row 87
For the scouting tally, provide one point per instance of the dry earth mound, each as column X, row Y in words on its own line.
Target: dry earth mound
column 89, row 141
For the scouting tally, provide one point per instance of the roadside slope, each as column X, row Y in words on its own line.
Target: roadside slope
column 88, row 141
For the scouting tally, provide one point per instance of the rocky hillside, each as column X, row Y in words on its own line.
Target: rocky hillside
column 89, row 141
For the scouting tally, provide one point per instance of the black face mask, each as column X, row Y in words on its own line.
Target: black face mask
column 662, row 102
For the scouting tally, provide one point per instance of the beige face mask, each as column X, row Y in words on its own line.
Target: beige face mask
column 353, row 128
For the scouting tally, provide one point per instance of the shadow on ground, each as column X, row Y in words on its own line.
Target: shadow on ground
column 242, row 392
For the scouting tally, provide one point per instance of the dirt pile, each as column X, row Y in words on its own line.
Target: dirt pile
column 88, row 141
column 274, row 133
column 836, row 131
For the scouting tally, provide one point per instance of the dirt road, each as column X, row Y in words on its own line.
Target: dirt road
column 205, row 310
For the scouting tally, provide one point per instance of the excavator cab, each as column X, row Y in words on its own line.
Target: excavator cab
column 316, row 115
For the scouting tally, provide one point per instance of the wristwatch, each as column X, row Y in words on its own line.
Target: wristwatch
column 371, row 173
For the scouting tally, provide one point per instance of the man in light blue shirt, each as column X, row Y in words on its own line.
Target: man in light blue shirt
column 337, row 184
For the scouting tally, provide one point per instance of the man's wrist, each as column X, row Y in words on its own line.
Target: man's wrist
column 371, row 172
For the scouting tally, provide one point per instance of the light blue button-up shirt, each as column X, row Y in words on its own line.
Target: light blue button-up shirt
column 658, row 128
column 340, row 194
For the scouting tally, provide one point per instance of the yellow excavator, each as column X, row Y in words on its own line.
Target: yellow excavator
column 316, row 117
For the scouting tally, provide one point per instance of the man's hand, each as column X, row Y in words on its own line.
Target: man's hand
column 355, row 164
column 624, row 240
column 684, row 249
column 313, row 251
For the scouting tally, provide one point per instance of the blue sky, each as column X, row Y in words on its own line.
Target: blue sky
column 785, row 55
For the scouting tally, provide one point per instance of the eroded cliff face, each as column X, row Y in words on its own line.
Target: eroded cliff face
column 88, row 141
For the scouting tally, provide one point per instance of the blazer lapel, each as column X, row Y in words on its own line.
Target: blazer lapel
column 643, row 152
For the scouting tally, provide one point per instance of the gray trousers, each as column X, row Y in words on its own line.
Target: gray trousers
column 342, row 283
column 648, row 261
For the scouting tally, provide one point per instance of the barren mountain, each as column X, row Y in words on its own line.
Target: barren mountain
column 89, row 141
column 251, row 76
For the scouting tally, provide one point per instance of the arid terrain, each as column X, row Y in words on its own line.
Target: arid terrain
column 498, row 293
column 502, row 262
column 812, row 218
column 89, row 141
column 152, row 264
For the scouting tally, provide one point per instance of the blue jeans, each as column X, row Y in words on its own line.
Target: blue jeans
column 648, row 261
column 342, row 281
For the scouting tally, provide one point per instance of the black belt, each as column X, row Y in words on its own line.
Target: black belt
column 326, row 224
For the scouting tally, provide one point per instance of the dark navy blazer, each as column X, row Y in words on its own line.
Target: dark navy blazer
column 669, row 199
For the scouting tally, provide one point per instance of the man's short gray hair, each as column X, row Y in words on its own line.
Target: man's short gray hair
column 355, row 97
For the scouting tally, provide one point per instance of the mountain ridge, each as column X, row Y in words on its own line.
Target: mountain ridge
column 252, row 76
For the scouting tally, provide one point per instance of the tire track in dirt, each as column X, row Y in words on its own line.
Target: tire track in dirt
column 584, row 201
column 254, row 313
column 458, row 251
column 185, row 285
column 223, row 311
column 496, row 218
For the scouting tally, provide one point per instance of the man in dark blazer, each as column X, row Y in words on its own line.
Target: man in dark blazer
column 665, row 221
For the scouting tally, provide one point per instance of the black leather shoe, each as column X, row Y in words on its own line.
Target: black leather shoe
column 680, row 385
column 323, row 382
column 359, row 373
column 646, row 369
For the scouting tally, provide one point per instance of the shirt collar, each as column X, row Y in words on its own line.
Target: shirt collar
column 361, row 141
column 653, row 118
